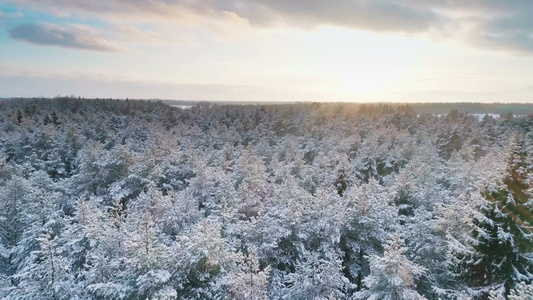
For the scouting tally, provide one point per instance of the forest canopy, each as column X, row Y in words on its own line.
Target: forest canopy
column 124, row 199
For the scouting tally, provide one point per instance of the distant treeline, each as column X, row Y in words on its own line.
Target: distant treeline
column 419, row 108
column 473, row 108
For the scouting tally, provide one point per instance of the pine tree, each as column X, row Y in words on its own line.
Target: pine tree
column 371, row 218
column 392, row 275
column 253, row 183
column 250, row 282
column 317, row 276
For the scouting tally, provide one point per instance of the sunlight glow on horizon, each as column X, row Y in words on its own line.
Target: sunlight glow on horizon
column 257, row 52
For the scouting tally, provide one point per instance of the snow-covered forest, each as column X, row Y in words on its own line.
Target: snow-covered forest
column 106, row 199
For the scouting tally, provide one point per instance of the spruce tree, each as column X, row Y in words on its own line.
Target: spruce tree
column 502, row 235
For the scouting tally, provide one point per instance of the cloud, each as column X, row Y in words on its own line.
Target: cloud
column 94, row 86
column 495, row 25
column 509, row 33
column 380, row 15
column 15, row 80
column 519, row 42
column 485, row 24
column 15, row 15
column 77, row 37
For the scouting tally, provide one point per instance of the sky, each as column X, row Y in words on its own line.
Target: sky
column 269, row 50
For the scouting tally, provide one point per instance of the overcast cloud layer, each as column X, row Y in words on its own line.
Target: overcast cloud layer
column 488, row 24
column 68, row 37
column 260, row 50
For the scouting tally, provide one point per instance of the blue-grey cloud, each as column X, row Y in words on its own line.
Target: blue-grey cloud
column 513, row 33
column 67, row 37
column 381, row 16
column 494, row 24
column 378, row 15
column 491, row 24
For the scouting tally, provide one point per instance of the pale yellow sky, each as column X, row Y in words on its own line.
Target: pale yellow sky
column 351, row 50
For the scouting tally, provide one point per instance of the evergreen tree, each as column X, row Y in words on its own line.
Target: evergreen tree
column 502, row 235
column 250, row 282
column 392, row 275
column 317, row 276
